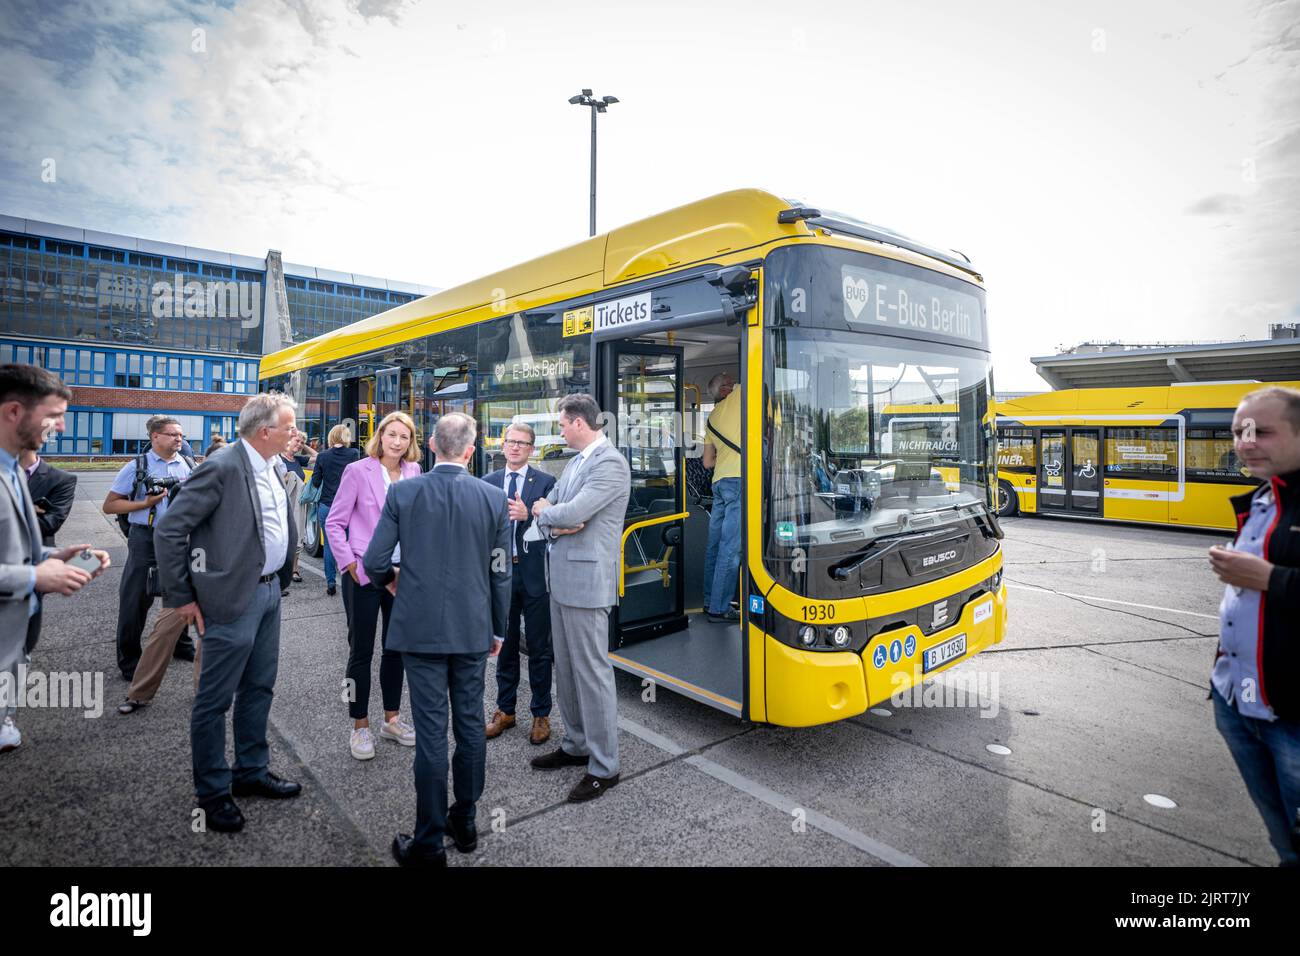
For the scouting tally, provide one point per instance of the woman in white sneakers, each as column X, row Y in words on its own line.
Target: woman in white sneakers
column 391, row 455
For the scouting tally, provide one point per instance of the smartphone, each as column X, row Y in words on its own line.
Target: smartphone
column 86, row 560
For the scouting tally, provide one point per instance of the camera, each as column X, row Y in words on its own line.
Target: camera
column 155, row 485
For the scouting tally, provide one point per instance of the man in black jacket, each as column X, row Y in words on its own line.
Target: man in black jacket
column 1255, row 684
column 52, row 492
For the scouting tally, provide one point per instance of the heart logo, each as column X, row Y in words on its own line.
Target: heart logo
column 500, row 369
column 855, row 295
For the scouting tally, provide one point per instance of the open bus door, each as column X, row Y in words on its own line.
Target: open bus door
column 652, row 634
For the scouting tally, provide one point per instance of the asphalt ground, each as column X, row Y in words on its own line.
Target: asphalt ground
column 1100, row 693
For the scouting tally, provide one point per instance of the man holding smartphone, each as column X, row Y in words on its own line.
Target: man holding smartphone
column 32, row 404
column 1255, row 683
column 143, row 510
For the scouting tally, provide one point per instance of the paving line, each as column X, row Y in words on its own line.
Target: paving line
column 868, row 845
column 1093, row 597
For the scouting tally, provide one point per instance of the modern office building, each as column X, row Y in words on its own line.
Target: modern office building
column 137, row 327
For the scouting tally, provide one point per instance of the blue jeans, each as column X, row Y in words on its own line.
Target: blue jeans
column 240, row 661
column 724, row 539
column 1268, row 756
column 331, row 566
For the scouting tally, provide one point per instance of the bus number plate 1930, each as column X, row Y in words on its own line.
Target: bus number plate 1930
column 941, row 654
column 819, row 612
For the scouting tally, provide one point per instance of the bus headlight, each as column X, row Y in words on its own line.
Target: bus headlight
column 807, row 635
column 840, row 636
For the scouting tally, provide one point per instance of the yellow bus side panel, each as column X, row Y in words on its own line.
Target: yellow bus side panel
column 757, row 683
column 1138, row 508
column 1207, row 506
column 1026, row 487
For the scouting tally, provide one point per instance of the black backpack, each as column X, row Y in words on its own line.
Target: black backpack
column 141, row 473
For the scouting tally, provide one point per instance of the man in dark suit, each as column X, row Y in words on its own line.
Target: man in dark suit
column 529, row 600
column 52, row 492
column 225, row 552
column 452, row 596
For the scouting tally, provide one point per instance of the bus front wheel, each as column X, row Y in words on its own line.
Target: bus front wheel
column 311, row 542
column 1008, row 503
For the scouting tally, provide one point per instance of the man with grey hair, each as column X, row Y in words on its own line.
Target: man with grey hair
column 141, row 494
column 224, row 553
column 1255, row 683
column 452, row 596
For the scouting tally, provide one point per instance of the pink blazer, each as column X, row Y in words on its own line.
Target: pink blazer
column 356, row 509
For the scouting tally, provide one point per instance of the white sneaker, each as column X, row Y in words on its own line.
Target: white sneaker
column 398, row 730
column 11, row 739
column 362, row 744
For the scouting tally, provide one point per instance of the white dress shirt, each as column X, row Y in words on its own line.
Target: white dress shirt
column 275, row 509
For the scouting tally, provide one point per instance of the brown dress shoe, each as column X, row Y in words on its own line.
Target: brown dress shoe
column 541, row 731
column 499, row 723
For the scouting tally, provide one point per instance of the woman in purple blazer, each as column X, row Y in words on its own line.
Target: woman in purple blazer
column 391, row 455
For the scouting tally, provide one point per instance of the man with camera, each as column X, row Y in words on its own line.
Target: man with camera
column 141, row 493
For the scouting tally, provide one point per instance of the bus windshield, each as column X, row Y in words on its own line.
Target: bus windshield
column 873, row 436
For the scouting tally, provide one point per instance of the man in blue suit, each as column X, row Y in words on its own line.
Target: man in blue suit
column 529, row 599
column 452, row 596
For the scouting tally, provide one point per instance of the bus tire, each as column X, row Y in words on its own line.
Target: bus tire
column 1008, row 503
column 311, row 535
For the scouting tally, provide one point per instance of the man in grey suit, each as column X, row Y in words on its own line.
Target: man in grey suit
column 32, row 404
column 585, row 528
column 452, row 595
column 224, row 551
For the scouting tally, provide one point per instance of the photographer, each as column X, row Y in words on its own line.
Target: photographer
column 141, row 493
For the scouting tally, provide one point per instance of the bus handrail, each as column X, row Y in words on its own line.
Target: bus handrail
column 627, row 532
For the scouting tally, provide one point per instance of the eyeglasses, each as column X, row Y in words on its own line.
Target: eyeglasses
column 518, row 442
column 172, row 434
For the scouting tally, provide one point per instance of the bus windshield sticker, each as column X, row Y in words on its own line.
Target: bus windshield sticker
column 873, row 299
column 623, row 313
column 577, row 322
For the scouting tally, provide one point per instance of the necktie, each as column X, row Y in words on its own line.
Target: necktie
column 514, row 525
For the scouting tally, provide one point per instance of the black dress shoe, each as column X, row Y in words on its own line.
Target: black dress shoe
column 590, row 787
column 463, row 833
column 329, row 591
column 221, row 814
column 407, row 854
column 276, row 788
column 184, row 652
column 556, row 759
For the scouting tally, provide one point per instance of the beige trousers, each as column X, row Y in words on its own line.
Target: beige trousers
column 158, row 650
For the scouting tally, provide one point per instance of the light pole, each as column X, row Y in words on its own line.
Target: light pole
column 598, row 105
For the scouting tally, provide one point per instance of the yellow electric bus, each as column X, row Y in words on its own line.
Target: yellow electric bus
column 863, row 570
column 1161, row 455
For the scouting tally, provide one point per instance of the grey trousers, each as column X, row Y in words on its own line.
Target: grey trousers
column 584, row 684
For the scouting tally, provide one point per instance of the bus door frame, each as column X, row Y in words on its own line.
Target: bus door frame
column 674, row 619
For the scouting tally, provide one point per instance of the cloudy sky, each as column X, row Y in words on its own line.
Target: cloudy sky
column 1117, row 170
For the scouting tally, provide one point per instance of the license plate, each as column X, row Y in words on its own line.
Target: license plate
column 941, row 654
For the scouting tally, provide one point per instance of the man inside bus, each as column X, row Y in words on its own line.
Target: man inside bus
column 722, row 454
column 1255, row 683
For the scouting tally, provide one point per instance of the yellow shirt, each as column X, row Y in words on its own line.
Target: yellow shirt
column 725, row 420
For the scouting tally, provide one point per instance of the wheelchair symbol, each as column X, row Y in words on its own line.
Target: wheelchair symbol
column 1087, row 471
